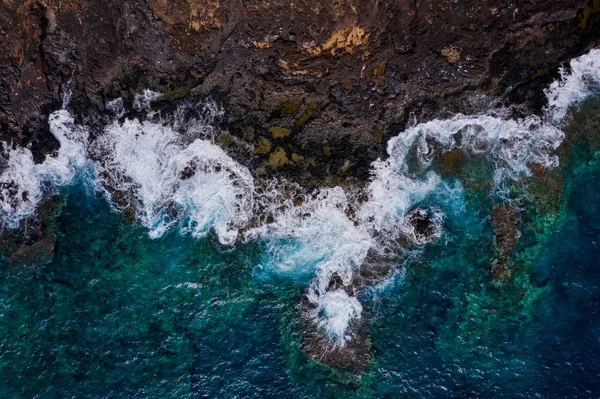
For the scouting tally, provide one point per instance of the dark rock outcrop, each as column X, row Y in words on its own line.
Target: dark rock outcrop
column 338, row 78
column 504, row 218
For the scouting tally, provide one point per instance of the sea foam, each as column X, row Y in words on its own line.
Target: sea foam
column 170, row 174
column 196, row 186
column 25, row 184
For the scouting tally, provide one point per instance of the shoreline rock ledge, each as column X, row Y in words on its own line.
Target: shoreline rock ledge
column 328, row 82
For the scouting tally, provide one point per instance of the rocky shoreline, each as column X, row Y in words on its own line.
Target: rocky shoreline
column 316, row 89
column 310, row 92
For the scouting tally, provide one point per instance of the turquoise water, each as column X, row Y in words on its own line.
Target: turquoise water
column 118, row 314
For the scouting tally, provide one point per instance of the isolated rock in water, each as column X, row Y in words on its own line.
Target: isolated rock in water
column 353, row 356
column 38, row 254
column 423, row 226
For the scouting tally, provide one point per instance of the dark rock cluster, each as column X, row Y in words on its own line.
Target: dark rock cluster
column 315, row 87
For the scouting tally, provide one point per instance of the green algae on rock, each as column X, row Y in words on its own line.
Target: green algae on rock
column 279, row 132
column 278, row 158
column 262, row 146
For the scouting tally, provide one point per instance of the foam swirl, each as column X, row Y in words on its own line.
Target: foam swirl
column 170, row 174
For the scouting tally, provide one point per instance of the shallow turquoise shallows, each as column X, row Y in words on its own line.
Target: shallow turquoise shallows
column 117, row 314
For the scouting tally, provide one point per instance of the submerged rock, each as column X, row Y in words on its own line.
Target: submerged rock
column 38, row 254
column 504, row 220
column 33, row 243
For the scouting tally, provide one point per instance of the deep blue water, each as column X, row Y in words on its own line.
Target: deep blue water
column 117, row 314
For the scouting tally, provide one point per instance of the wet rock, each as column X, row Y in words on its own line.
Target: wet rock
column 504, row 220
column 38, row 254
column 352, row 83
column 423, row 225
column 335, row 282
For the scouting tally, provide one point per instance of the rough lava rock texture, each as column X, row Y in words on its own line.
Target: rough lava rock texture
column 341, row 76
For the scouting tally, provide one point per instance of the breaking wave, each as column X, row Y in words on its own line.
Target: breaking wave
column 172, row 175
column 322, row 235
column 24, row 184
column 197, row 186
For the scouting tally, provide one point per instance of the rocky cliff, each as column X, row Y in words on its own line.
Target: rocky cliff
column 313, row 88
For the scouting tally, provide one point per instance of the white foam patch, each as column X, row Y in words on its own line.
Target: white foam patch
column 116, row 107
column 318, row 236
column 334, row 312
column 143, row 101
column 24, row 184
column 21, row 189
column 574, row 84
column 175, row 176
column 197, row 186
column 392, row 194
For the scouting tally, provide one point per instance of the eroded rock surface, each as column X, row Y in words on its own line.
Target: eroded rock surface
column 340, row 76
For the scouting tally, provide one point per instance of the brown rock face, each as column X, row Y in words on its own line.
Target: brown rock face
column 504, row 219
column 342, row 74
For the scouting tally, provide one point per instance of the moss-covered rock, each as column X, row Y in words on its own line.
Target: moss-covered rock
column 307, row 114
column 262, row 145
column 225, row 139
column 249, row 134
column 297, row 158
column 377, row 136
column 182, row 91
column 278, row 132
column 288, row 107
column 278, row 158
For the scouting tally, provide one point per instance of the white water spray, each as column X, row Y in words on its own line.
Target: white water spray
column 173, row 175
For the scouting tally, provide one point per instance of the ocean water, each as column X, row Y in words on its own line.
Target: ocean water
column 177, row 275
